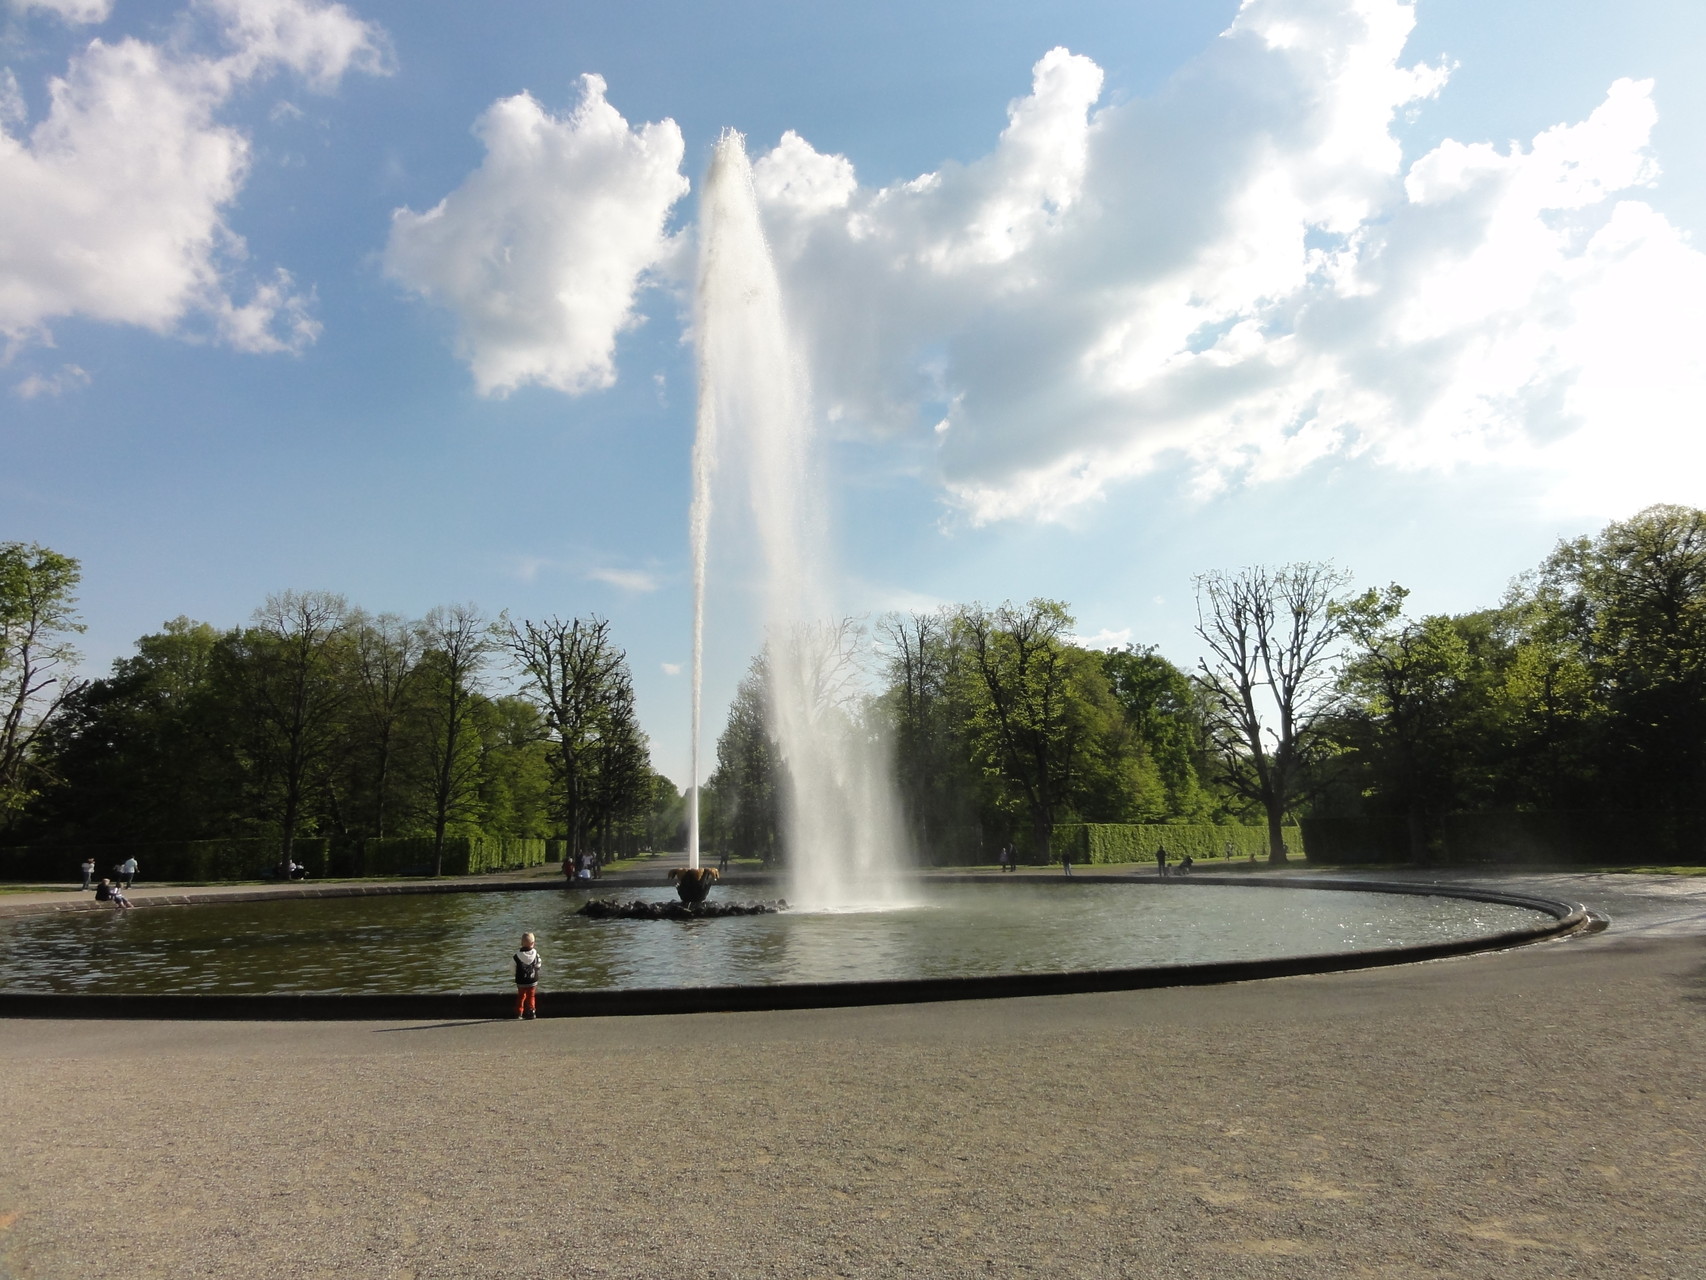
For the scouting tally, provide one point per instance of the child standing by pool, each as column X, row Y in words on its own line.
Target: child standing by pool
column 526, row 978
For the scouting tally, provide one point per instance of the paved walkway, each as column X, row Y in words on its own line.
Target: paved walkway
column 1534, row 1113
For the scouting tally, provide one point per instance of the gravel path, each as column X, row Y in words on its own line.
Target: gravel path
column 1531, row 1113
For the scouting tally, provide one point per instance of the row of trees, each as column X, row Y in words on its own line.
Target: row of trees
column 318, row 718
column 999, row 727
column 1584, row 689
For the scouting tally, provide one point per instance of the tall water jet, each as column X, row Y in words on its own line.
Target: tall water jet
column 841, row 823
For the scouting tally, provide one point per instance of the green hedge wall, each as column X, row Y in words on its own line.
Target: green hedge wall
column 1354, row 842
column 233, row 859
column 463, row 855
column 1603, row 837
column 1105, row 842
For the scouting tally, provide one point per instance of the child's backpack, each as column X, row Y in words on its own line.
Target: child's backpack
column 526, row 972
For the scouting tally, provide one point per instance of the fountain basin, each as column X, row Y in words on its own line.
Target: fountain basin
column 442, row 955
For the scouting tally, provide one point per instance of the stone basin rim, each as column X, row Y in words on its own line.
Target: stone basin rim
column 1567, row 918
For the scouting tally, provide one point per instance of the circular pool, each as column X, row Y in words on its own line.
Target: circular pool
column 448, row 942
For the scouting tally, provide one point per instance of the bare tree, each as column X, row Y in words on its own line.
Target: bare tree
column 569, row 668
column 1272, row 636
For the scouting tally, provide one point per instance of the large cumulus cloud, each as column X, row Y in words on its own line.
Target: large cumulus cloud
column 113, row 205
column 1241, row 274
column 541, row 250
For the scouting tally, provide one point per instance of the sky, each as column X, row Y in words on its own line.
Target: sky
column 394, row 300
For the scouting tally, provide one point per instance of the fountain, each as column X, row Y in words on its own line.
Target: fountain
column 841, row 826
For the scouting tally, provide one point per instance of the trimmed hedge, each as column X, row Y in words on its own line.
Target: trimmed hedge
column 1356, row 842
column 463, row 855
column 231, row 859
column 1090, row 843
column 1560, row 837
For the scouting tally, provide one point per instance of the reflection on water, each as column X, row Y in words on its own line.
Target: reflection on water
column 451, row 942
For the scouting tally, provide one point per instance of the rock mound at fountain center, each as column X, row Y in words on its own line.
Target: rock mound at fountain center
column 615, row 909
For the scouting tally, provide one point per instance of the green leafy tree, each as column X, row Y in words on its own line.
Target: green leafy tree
column 1412, row 701
column 744, row 795
column 144, row 752
column 1166, row 714
column 1027, row 729
column 515, row 784
column 37, row 620
column 1633, row 601
column 939, row 782
column 455, row 642
column 386, row 662
column 289, row 672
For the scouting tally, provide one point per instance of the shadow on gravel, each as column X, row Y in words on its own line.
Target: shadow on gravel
column 435, row 1026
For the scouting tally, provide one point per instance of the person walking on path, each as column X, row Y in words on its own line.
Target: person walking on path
column 1066, row 861
column 527, row 965
column 88, row 869
column 1161, row 861
column 127, row 871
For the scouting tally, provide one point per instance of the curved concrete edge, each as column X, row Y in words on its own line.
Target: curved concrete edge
column 1567, row 918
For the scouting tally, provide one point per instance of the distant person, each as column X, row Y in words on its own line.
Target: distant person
column 1066, row 862
column 107, row 891
column 88, row 870
column 127, row 871
column 527, row 964
column 1161, row 861
column 1185, row 865
column 723, row 862
column 294, row 870
column 1009, row 858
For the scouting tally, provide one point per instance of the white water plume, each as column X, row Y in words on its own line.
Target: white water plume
column 841, row 828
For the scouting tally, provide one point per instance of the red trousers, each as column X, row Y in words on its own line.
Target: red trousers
column 524, row 1001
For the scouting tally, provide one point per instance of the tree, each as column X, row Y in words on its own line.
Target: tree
column 747, row 786
column 1633, row 603
column 938, row 781
column 455, row 641
column 1025, row 725
column 289, row 668
column 571, row 670
column 1406, row 683
column 1271, row 635
column 37, row 619
column 146, row 750
column 1166, row 713
column 387, row 653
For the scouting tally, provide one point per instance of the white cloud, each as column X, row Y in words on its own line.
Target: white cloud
column 115, row 201
column 80, row 12
column 635, row 580
column 1240, row 273
column 542, row 249
column 68, row 377
column 671, row 668
column 1103, row 639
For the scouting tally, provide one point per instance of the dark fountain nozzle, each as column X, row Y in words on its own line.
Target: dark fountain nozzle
column 693, row 883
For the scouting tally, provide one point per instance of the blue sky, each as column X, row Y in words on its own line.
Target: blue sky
column 1413, row 289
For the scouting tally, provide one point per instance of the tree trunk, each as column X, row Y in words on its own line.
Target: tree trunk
column 1276, row 836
